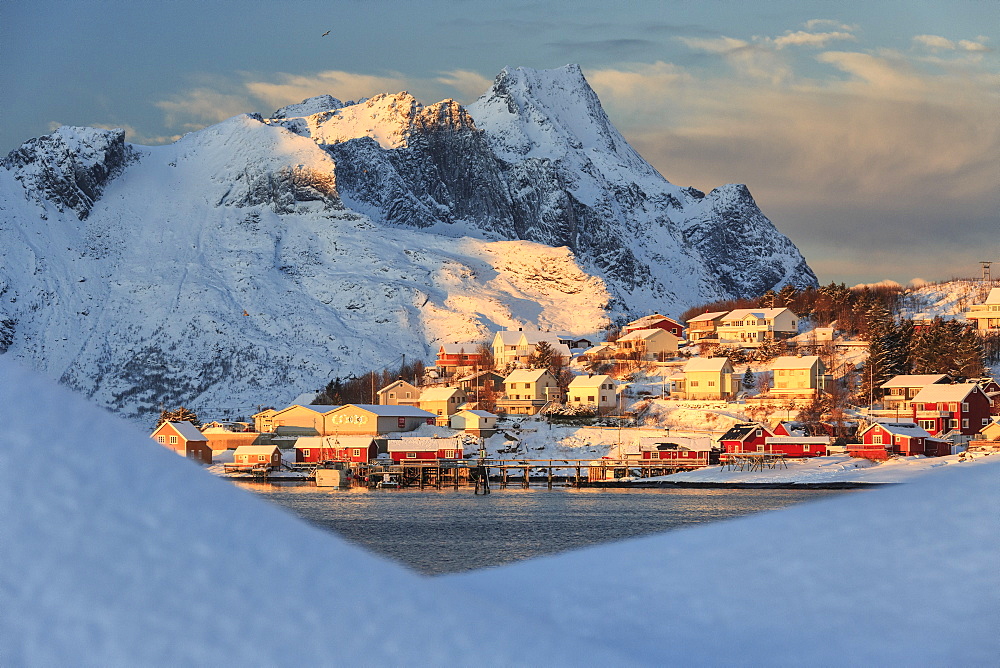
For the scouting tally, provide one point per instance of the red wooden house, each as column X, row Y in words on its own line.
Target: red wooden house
column 678, row 451
column 798, row 446
column 962, row 408
column 185, row 439
column 425, row 448
column 655, row 321
column 897, row 438
column 454, row 356
column 257, row 455
column 745, row 437
column 316, row 449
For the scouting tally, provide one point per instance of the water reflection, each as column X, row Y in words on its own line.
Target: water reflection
column 446, row 531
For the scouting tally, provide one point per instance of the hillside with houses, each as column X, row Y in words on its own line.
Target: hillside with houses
column 750, row 387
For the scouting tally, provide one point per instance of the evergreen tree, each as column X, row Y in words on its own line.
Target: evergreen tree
column 541, row 358
column 749, row 380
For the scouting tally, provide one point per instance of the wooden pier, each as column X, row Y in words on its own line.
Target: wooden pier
column 514, row 472
column 753, row 461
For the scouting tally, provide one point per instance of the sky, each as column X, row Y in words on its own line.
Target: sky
column 868, row 132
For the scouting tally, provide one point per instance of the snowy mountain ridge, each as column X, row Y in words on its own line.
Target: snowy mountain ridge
column 350, row 235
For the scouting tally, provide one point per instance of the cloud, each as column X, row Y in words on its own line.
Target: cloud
column 934, row 42
column 292, row 88
column 613, row 46
column 818, row 39
column 813, row 24
column 197, row 107
column 470, row 85
column 721, row 45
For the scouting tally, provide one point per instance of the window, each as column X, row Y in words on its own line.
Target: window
column 965, row 406
column 407, row 395
column 604, row 398
column 694, row 383
column 805, row 448
column 440, row 412
column 986, row 421
column 163, row 439
column 305, row 452
column 392, row 395
column 590, row 399
column 965, row 423
column 711, row 383
column 654, row 455
column 919, row 407
column 760, row 432
column 261, row 458
column 411, row 455
column 173, row 440
column 927, row 425
column 954, row 423
column 357, row 452
column 760, row 448
column 877, row 439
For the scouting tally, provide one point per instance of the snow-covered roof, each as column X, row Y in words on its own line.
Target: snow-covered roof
column 760, row 313
column 914, row 380
column 478, row 413
column 652, row 443
column 699, row 364
column 316, row 408
column 423, row 444
column 439, row 393
column 643, row 334
column 600, row 347
column 795, row 362
column 937, row 393
column 993, row 297
column 383, row 410
column 508, row 337
column 811, row 440
column 705, row 317
column 592, row 381
column 739, row 432
column 459, row 348
column 646, row 320
column 188, row 431
column 908, row 429
column 525, row 375
column 333, row 442
column 255, row 450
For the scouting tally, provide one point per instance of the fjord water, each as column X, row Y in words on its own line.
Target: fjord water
column 448, row 531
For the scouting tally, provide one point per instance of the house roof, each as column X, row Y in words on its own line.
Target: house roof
column 592, row 381
column 740, row 432
column 396, row 383
column 333, row 442
column 762, row 313
column 423, row 444
column 255, row 450
column 656, row 443
column 795, row 362
column 937, row 393
column 478, row 413
column 644, row 334
column 914, row 380
column 459, row 348
column 811, row 440
column 526, row 375
column 908, row 429
column 439, row 393
column 697, row 364
column 705, row 317
column 188, row 431
column 647, row 320
column 603, row 345
column 993, row 297
column 317, row 408
column 388, row 411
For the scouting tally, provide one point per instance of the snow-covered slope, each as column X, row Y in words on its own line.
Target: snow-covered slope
column 350, row 235
column 104, row 564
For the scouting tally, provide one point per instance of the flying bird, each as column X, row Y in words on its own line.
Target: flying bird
column 325, row 34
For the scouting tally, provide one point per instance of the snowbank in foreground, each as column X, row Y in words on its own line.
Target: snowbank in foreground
column 115, row 551
column 837, row 468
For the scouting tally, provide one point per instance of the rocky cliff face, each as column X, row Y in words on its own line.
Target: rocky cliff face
column 258, row 258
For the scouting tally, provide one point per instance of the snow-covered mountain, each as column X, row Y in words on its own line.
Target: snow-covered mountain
column 258, row 258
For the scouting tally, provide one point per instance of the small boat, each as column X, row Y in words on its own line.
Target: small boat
column 333, row 477
column 388, row 482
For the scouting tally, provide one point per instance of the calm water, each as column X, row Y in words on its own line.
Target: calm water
column 448, row 531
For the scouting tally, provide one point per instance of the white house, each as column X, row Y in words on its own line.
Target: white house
column 600, row 391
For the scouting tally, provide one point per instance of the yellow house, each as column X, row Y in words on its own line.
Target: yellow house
column 703, row 327
column 986, row 315
column 527, row 391
column 751, row 327
column 372, row 419
column 515, row 347
column 308, row 419
column 264, row 421
column 707, row 378
column 796, row 376
column 647, row 344
column 442, row 401
column 600, row 391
